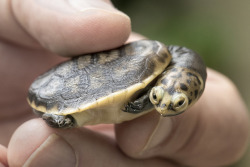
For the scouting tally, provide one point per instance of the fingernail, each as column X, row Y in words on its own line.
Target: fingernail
column 159, row 135
column 55, row 151
column 2, row 165
column 91, row 4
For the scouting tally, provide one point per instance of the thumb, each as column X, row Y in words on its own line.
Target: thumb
column 35, row 144
column 213, row 132
column 3, row 156
column 74, row 26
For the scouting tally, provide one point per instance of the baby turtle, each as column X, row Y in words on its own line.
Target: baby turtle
column 119, row 85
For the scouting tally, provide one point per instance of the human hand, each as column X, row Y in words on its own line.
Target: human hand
column 213, row 132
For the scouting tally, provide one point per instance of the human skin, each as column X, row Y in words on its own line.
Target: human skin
column 214, row 132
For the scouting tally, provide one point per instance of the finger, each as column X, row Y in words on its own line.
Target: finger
column 3, row 156
column 105, row 129
column 213, row 132
column 135, row 37
column 35, row 144
column 72, row 27
column 10, row 28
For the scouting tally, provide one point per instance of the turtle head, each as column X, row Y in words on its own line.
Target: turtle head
column 168, row 104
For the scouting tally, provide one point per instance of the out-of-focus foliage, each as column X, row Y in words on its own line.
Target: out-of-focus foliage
column 217, row 29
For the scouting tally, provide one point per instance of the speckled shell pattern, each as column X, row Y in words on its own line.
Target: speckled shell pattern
column 87, row 78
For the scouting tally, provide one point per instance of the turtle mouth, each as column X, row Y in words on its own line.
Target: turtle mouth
column 56, row 121
column 170, row 115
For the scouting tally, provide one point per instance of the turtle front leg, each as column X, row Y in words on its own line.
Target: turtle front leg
column 59, row 121
column 56, row 121
column 139, row 105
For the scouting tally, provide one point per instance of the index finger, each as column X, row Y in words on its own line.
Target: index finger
column 64, row 27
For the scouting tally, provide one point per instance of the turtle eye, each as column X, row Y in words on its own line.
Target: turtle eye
column 180, row 102
column 156, row 94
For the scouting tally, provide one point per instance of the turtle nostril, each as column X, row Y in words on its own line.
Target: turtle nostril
column 163, row 105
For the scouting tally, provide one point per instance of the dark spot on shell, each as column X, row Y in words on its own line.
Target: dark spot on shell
column 164, row 81
column 161, row 59
column 183, row 87
column 165, row 55
column 171, row 89
column 189, row 81
column 189, row 101
column 198, row 80
column 191, row 93
column 195, row 93
column 191, row 74
column 195, row 84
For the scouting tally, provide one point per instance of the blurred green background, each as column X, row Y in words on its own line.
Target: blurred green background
column 217, row 29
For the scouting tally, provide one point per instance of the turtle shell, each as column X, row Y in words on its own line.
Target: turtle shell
column 100, row 79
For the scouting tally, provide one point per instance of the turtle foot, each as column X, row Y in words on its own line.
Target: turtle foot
column 133, row 107
column 59, row 121
column 139, row 105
